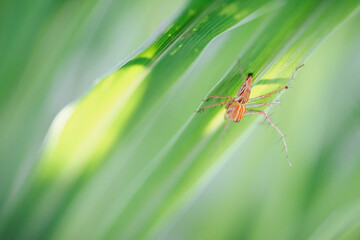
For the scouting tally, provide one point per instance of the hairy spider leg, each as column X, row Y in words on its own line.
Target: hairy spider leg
column 261, row 104
column 228, row 97
column 279, row 90
column 267, row 117
column 213, row 105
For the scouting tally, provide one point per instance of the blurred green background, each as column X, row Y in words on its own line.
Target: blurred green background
column 147, row 186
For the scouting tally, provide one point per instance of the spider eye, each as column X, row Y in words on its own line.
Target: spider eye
column 250, row 75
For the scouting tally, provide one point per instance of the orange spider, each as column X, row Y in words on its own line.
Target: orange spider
column 236, row 107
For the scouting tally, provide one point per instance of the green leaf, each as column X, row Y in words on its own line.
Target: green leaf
column 124, row 158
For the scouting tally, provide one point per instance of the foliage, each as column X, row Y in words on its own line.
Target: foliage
column 124, row 159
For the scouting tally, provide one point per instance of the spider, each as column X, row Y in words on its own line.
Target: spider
column 236, row 106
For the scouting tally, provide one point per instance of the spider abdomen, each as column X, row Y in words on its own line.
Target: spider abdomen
column 236, row 111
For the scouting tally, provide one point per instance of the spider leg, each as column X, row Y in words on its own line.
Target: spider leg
column 279, row 90
column 227, row 97
column 277, row 129
column 260, row 104
column 213, row 105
